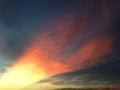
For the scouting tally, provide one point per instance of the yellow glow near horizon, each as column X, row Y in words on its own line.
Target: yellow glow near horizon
column 20, row 76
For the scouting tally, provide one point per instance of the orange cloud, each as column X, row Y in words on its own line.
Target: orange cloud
column 52, row 52
column 90, row 54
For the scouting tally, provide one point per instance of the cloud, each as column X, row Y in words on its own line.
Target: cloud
column 74, row 41
column 65, row 47
column 103, row 74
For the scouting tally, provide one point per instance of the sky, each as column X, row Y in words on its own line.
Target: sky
column 43, row 38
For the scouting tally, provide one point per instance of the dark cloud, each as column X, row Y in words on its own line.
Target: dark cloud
column 105, row 74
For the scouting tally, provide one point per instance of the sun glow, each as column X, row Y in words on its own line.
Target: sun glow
column 19, row 76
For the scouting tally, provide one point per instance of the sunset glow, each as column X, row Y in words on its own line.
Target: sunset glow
column 19, row 76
